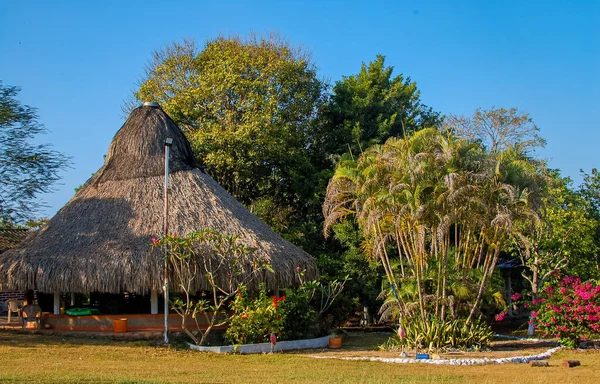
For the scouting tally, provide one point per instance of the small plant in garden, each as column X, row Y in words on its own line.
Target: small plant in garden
column 569, row 310
column 255, row 319
column 212, row 262
column 437, row 334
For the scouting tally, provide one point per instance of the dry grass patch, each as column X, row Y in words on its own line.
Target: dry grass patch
column 56, row 359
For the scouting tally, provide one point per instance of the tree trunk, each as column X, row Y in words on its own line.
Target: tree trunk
column 534, row 294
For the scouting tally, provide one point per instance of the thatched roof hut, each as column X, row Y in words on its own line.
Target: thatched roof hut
column 100, row 240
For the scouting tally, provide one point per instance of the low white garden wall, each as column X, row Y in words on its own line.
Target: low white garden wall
column 319, row 342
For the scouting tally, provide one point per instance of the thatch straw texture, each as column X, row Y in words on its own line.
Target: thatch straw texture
column 11, row 237
column 100, row 240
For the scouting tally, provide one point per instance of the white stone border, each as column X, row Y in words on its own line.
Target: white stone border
column 474, row 361
column 320, row 342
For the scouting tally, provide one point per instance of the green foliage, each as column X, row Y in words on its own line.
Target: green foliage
column 590, row 193
column 208, row 258
column 27, row 169
column 312, row 309
column 437, row 203
column 254, row 319
column 461, row 291
column 369, row 107
column 248, row 107
column 300, row 316
column 564, row 242
column 365, row 274
column 437, row 335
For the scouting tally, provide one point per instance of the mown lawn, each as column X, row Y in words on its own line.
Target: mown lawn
column 56, row 359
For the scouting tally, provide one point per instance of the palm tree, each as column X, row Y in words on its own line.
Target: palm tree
column 430, row 195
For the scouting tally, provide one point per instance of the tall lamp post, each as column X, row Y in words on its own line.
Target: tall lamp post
column 168, row 143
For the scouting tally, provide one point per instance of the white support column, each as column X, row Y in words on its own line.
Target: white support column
column 154, row 302
column 57, row 303
column 72, row 299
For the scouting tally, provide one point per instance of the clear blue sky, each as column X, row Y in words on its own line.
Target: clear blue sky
column 76, row 61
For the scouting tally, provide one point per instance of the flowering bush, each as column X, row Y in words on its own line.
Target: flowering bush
column 255, row 318
column 569, row 310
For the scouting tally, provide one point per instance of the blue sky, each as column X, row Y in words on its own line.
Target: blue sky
column 77, row 61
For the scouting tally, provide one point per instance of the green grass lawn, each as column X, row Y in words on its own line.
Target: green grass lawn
column 62, row 359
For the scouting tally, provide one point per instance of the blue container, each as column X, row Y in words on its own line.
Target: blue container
column 422, row 356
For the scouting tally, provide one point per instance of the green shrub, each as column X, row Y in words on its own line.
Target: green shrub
column 254, row 319
column 299, row 315
column 435, row 335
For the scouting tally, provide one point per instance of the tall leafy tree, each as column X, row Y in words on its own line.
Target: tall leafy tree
column 589, row 191
column 369, row 107
column 248, row 107
column 564, row 241
column 27, row 169
column 365, row 109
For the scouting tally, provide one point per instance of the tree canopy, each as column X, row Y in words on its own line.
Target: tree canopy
column 28, row 169
column 499, row 129
column 443, row 204
column 369, row 107
column 248, row 107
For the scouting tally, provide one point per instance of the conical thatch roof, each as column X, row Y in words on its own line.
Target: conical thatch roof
column 100, row 240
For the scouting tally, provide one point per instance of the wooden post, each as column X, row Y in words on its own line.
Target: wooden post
column 154, row 302
column 509, row 294
column 570, row 363
column 57, row 303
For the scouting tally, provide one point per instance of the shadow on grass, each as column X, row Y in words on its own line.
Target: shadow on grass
column 514, row 345
column 34, row 339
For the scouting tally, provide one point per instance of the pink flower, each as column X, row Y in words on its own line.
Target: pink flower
column 500, row 316
column 154, row 240
column 534, row 314
column 516, row 296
